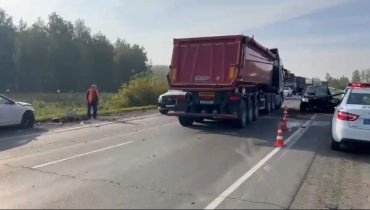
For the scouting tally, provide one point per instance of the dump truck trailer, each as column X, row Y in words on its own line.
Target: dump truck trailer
column 230, row 77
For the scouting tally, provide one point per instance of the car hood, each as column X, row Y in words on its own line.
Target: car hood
column 313, row 96
column 173, row 94
column 22, row 103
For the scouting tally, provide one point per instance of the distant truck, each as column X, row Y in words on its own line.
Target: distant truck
column 229, row 77
column 324, row 83
column 313, row 82
column 301, row 84
column 291, row 82
column 297, row 84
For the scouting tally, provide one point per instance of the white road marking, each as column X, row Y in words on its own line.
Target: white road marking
column 251, row 171
column 80, row 155
column 79, row 127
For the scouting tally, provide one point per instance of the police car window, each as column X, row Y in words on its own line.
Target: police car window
column 359, row 99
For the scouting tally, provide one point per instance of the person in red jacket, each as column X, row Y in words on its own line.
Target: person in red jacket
column 93, row 99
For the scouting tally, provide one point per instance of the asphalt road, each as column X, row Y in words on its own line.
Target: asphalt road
column 151, row 161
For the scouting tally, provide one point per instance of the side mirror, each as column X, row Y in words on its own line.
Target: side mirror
column 11, row 102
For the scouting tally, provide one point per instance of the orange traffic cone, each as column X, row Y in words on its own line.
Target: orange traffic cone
column 284, row 126
column 279, row 139
column 286, row 112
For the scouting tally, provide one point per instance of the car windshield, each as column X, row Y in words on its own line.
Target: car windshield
column 359, row 99
column 319, row 91
column 3, row 99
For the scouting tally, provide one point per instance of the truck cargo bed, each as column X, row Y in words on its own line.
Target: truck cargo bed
column 220, row 63
column 205, row 61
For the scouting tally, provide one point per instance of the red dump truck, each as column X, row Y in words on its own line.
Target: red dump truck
column 230, row 77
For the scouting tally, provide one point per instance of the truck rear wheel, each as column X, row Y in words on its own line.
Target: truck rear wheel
column 281, row 101
column 268, row 104
column 243, row 114
column 256, row 109
column 199, row 119
column 250, row 111
column 186, row 121
column 273, row 103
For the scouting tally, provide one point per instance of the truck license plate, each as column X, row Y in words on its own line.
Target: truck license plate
column 207, row 94
column 366, row 121
column 206, row 102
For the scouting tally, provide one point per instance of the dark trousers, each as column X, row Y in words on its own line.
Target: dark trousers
column 94, row 106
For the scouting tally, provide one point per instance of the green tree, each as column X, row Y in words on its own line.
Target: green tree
column 59, row 54
column 367, row 75
column 356, row 77
column 338, row 83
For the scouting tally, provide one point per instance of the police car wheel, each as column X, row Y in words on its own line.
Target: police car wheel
column 334, row 145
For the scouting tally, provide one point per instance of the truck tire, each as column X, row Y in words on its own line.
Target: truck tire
column 250, row 111
column 280, row 104
column 242, row 122
column 273, row 103
column 256, row 108
column 186, row 121
column 268, row 104
column 199, row 119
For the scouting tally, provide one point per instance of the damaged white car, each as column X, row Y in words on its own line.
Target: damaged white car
column 16, row 113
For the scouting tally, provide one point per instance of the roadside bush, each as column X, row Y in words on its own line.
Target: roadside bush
column 141, row 91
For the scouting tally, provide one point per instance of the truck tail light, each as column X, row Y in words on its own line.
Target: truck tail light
column 234, row 98
column 232, row 72
column 346, row 116
column 173, row 74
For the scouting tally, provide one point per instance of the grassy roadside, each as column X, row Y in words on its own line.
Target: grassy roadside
column 139, row 94
column 44, row 118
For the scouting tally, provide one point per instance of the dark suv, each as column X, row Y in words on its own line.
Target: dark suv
column 167, row 100
column 317, row 98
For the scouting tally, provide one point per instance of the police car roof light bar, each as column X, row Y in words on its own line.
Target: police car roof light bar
column 359, row 85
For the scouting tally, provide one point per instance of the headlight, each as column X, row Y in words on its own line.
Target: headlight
column 160, row 99
column 304, row 99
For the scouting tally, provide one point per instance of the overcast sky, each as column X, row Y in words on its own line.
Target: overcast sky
column 313, row 36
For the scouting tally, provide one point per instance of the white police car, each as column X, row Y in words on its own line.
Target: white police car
column 16, row 113
column 351, row 119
